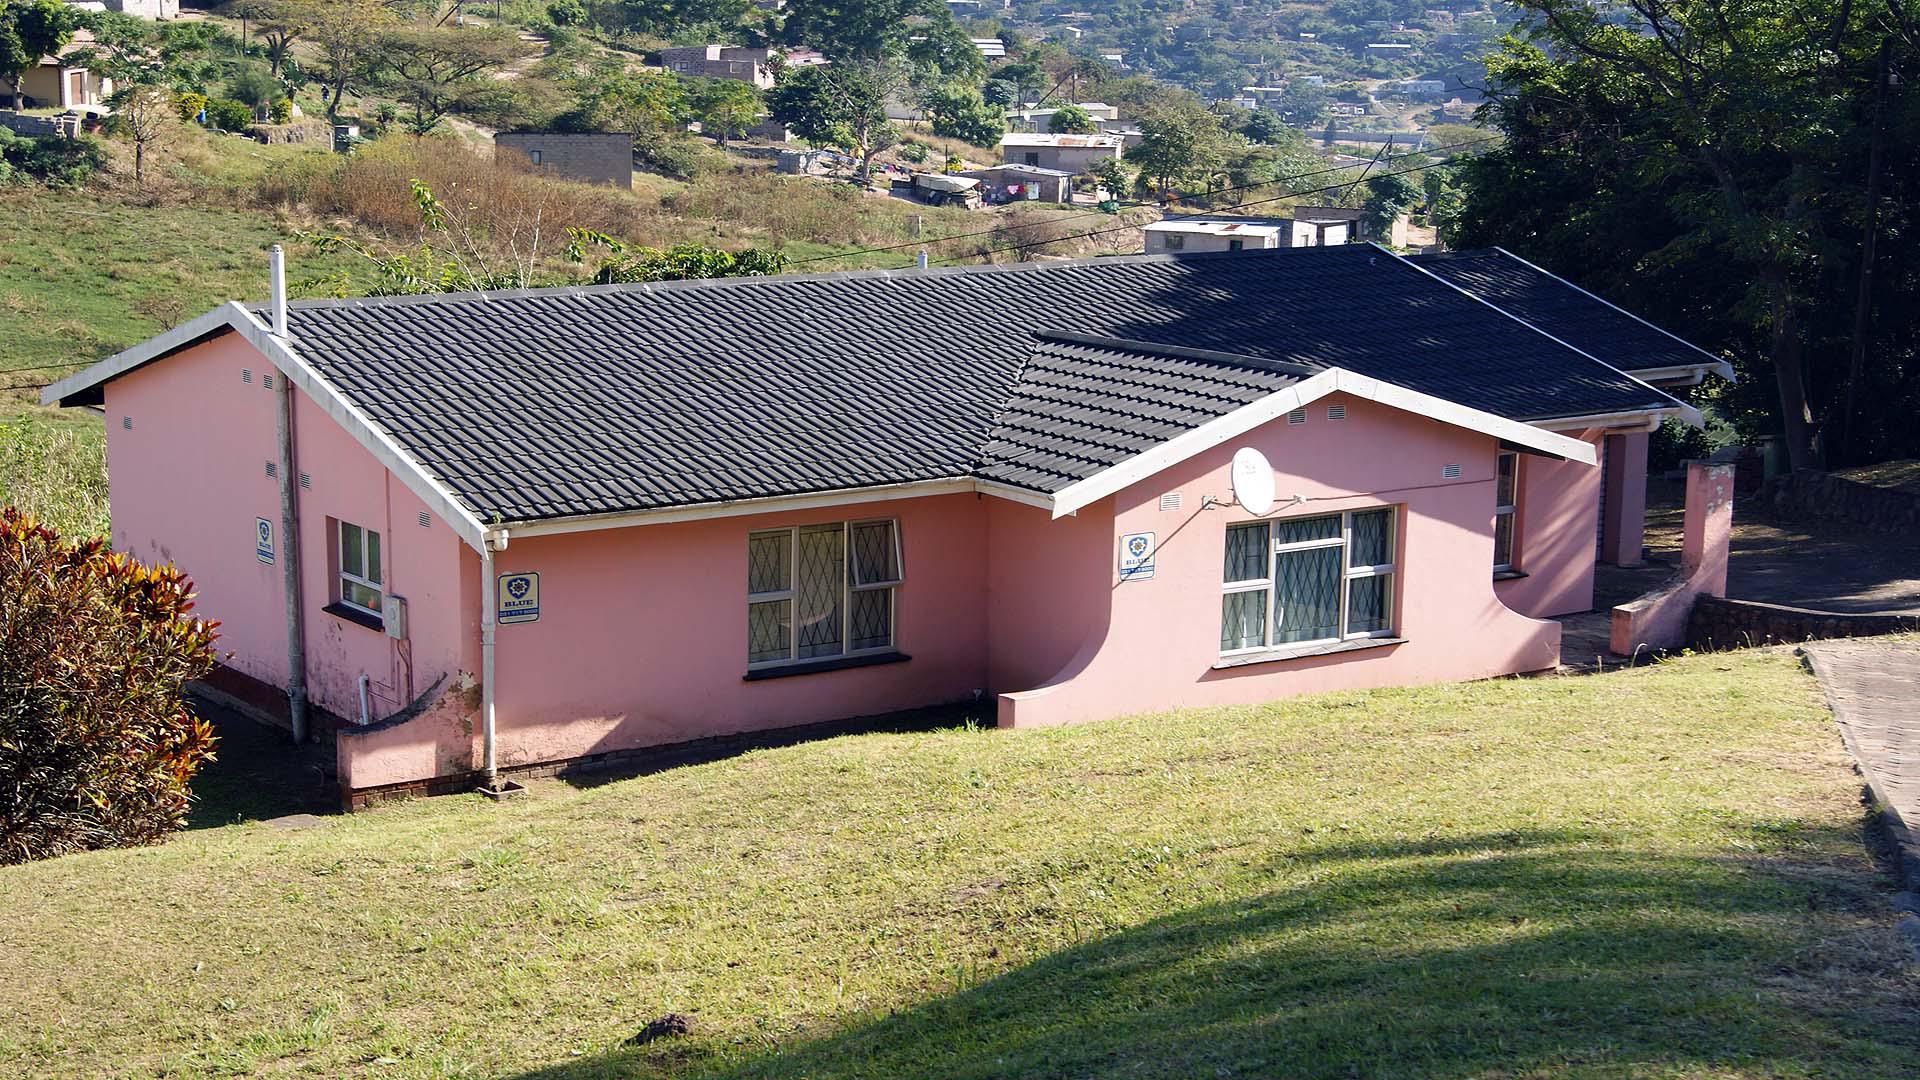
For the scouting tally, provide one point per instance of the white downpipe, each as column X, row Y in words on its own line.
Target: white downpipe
column 366, row 711
column 488, row 762
column 289, row 512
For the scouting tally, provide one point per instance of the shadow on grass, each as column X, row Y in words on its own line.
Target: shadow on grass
column 1484, row 956
column 257, row 773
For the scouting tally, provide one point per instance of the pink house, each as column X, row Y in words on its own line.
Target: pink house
column 490, row 532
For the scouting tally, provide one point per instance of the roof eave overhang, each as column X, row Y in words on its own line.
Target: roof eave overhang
column 231, row 317
column 1244, row 419
column 1633, row 420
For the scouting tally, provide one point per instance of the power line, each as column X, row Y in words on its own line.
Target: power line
column 1131, row 203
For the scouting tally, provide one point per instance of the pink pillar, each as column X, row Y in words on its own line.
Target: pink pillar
column 1658, row 620
column 1623, row 533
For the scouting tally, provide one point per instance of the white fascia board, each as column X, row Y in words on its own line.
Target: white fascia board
column 220, row 318
column 1711, row 362
column 1641, row 420
column 357, row 424
column 1280, row 402
column 1200, row 439
column 1013, row 494
column 741, row 507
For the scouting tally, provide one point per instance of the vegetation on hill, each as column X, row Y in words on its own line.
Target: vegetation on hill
column 1656, row 873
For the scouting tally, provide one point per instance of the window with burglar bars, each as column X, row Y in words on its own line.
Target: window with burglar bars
column 819, row 591
column 1304, row 581
column 1506, row 497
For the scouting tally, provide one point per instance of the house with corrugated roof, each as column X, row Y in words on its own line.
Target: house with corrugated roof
column 468, row 535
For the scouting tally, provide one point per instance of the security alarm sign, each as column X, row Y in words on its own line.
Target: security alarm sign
column 519, row 599
column 263, row 540
column 1136, row 556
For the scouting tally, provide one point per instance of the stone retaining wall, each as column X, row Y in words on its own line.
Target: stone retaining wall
column 1811, row 495
column 1720, row 623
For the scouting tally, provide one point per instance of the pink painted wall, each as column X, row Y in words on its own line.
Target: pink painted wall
column 1626, row 497
column 1149, row 645
column 1554, row 539
column 188, row 480
column 642, row 634
column 1658, row 620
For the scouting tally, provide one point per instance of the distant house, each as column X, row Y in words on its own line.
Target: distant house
column 991, row 48
column 1193, row 234
column 156, row 10
column 1070, row 153
column 594, row 157
column 1017, row 183
column 61, row 83
column 736, row 62
column 529, row 528
column 1317, row 226
column 1039, row 118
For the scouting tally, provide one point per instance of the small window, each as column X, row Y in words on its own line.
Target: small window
column 1032, row 159
column 359, row 558
column 533, row 156
column 1236, row 245
column 1302, row 581
column 1506, row 495
column 821, row 591
column 1173, row 241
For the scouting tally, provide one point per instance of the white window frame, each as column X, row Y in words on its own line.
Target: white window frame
column 1508, row 511
column 1348, row 574
column 358, row 575
column 847, row 588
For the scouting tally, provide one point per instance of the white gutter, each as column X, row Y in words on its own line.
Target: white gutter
column 1637, row 420
column 741, row 507
column 489, row 757
column 289, row 513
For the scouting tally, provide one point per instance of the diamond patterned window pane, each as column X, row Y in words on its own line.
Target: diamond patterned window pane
column 770, row 562
column 871, row 619
column 1372, row 543
column 768, row 631
column 1295, row 530
column 875, row 561
column 1503, row 489
column 1367, row 604
column 1503, row 539
column 1307, row 595
column 1246, row 552
column 1243, row 620
column 819, row 590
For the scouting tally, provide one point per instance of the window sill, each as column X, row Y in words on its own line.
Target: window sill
column 1508, row 575
column 1269, row 656
column 342, row 611
column 825, row 663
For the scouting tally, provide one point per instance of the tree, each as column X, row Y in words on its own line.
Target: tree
column 1388, row 197
column 1303, row 102
column 1180, row 145
column 665, row 17
column 1113, row 174
column 1000, row 92
column 864, row 29
column 144, row 113
column 433, row 69
column 96, row 744
column 29, row 30
column 1266, row 126
column 281, row 23
column 727, row 108
column 1722, row 127
column 959, row 112
column 1071, row 120
column 841, row 105
column 347, row 33
column 644, row 103
column 255, row 88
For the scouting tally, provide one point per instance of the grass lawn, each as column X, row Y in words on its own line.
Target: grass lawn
column 1657, row 873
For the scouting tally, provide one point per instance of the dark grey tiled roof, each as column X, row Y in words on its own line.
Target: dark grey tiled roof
column 1580, row 319
column 561, row 402
column 1083, row 404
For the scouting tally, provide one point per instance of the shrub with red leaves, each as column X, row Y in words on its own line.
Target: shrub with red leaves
column 96, row 742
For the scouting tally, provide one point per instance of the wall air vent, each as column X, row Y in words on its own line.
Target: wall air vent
column 425, row 521
column 1450, row 472
column 273, row 470
column 1169, row 502
column 1297, row 416
column 246, row 375
column 306, row 482
column 267, row 380
column 1336, row 412
column 126, row 423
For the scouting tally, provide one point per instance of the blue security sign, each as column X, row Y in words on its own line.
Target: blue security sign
column 263, row 540
column 1136, row 556
column 518, row 599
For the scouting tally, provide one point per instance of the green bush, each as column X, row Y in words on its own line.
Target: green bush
column 913, row 152
column 189, row 105
column 229, row 115
column 96, row 743
column 678, row 156
column 281, row 111
column 53, row 160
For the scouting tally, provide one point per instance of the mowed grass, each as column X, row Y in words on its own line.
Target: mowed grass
column 1658, row 873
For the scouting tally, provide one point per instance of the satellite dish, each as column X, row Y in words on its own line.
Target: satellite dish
column 1252, row 480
